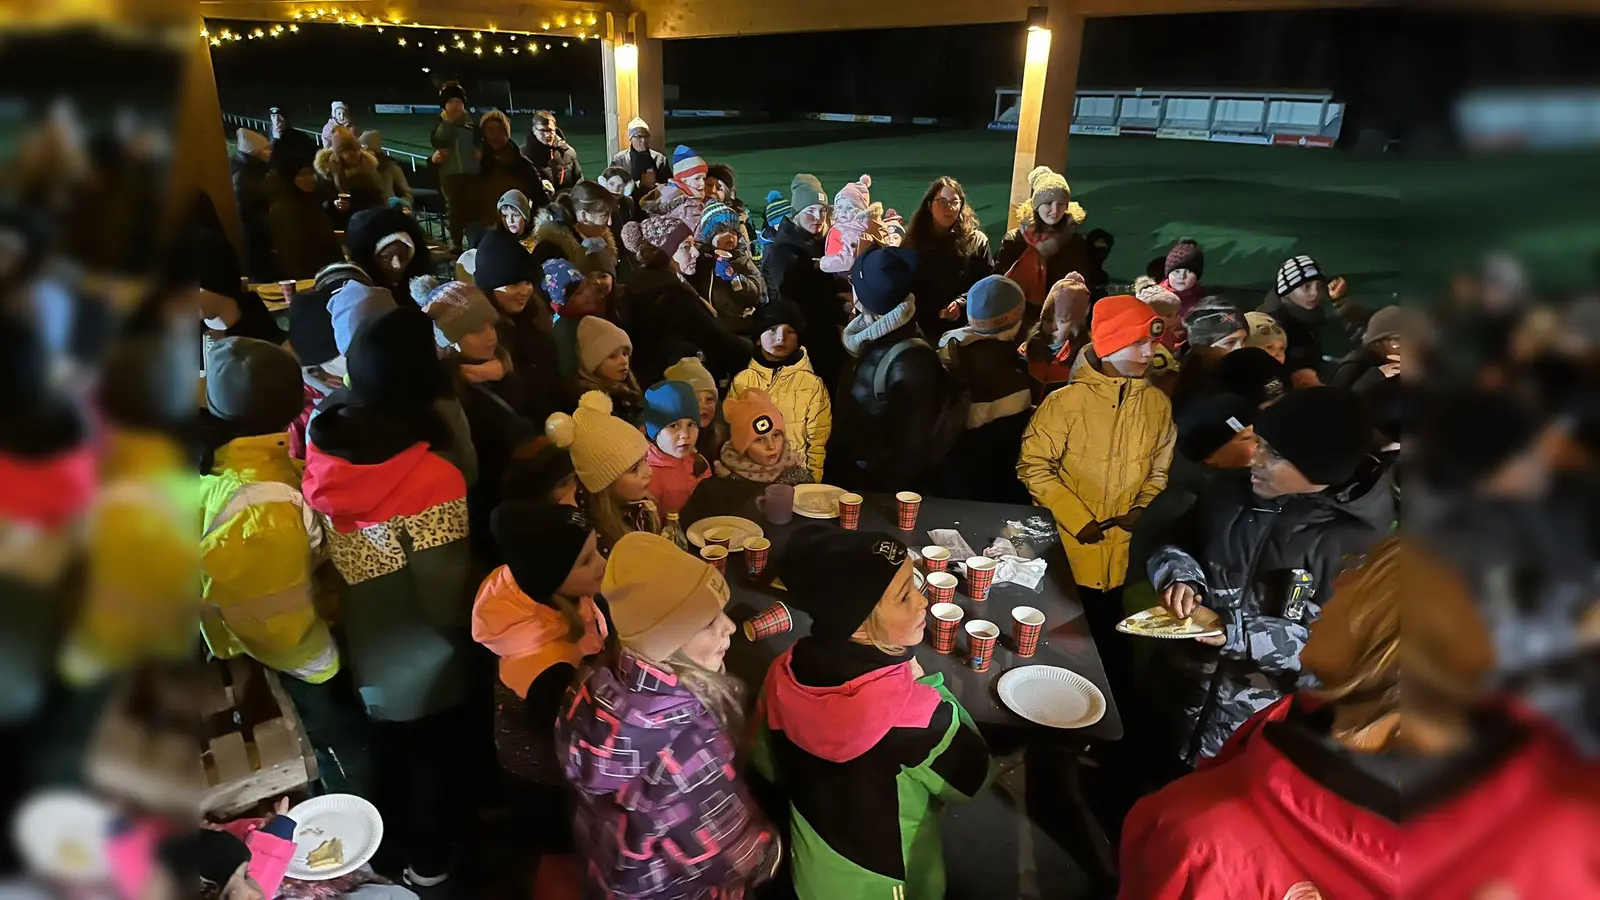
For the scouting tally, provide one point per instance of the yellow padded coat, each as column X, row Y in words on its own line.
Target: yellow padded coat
column 257, row 546
column 1096, row 448
column 803, row 399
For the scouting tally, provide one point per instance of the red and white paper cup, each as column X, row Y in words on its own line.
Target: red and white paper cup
column 946, row 622
column 941, row 587
column 906, row 506
column 775, row 619
column 980, row 575
column 936, row 558
column 981, row 635
column 717, row 555
column 1027, row 624
column 756, row 551
column 288, row 285
column 850, row 510
column 718, row 535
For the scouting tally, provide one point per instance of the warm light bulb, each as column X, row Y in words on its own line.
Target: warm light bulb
column 441, row 48
column 297, row 14
column 499, row 49
column 582, row 36
column 216, row 42
column 425, row 70
column 515, row 50
column 402, row 42
column 566, row 43
column 592, row 19
column 477, row 51
column 547, row 46
column 492, row 28
column 205, row 33
column 294, row 29
column 477, row 35
column 561, row 21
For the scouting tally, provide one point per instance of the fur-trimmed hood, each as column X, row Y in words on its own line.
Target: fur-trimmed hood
column 329, row 165
column 551, row 228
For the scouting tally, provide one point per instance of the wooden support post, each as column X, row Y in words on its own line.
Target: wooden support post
column 631, row 75
column 1044, row 112
column 200, row 159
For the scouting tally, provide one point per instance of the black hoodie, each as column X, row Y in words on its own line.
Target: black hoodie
column 790, row 270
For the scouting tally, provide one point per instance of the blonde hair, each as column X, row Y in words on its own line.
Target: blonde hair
column 720, row 693
column 610, row 514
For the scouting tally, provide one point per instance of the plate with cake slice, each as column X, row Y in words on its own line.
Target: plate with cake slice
column 334, row 835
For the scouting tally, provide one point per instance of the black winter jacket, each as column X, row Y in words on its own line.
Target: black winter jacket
column 983, row 463
column 943, row 274
column 1303, row 328
column 507, row 171
column 790, row 270
column 255, row 205
column 1240, row 551
column 667, row 321
column 893, row 444
column 559, row 167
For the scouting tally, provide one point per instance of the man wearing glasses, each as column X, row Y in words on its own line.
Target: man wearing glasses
column 1262, row 549
column 547, row 148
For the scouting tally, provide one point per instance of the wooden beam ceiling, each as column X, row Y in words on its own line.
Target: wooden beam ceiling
column 503, row 15
column 726, row 18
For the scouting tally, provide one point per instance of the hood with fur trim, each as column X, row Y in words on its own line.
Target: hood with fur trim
column 331, row 166
column 549, row 227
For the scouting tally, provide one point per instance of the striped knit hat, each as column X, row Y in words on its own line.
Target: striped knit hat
column 685, row 164
column 1296, row 271
column 778, row 208
column 716, row 215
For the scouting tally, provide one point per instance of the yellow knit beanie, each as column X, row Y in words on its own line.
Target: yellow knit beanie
column 603, row 447
column 660, row 596
column 693, row 371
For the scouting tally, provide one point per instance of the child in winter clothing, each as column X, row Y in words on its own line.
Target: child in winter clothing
column 982, row 357
column 573, row 296
column 1059, row 335
column 757, row 449
column 683, row 197
column 1185, row 265
column 538, row 613
column 1167, row 306
column 1095, row 455
column 853, row 214
column 604, row 351
column 778, row 208
column 391, row 175
column 782, row 369
column 516, row 217
column 726, row 275
column 1266, row 333
column 613, row 475
column 1046, row 245
column 713, row 427
column 256, row 542
column 649, row 740
column 345, row 168
column 672, row 423
column 338, row 117
column 868, row 748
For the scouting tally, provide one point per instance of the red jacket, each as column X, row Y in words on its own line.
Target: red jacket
column 1253, row 826
column 673, row 480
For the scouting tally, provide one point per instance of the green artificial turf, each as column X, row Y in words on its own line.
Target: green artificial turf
column 1381, row 223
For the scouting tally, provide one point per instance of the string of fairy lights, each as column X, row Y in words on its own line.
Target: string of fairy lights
column 557, row 31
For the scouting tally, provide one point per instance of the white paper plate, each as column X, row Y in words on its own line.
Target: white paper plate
column 743, row 530
column 817, row 501
column 62, row 835
column 351, row 819
column 1053, row 696
column 1155, row 622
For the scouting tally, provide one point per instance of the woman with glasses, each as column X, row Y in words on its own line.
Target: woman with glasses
column 576, row 226
column 952, row 254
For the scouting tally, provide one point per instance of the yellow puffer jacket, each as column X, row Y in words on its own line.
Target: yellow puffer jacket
column 803, row 399
column 1096, row 448
column 257, row 545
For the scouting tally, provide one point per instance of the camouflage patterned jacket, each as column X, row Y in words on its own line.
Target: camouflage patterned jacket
column 1240, row 551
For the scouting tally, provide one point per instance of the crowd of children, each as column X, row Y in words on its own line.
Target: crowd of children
column 481, row 470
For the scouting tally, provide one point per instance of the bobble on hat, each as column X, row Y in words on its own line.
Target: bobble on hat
column 857, row 195
column 603, row 446
column 778, row 208
column 686, row 164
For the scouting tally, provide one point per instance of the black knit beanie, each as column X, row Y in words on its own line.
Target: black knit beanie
column 777, row 312
column 502, row 261
column 1186, row 254
column 311, row 327
column 540, row 543
column 1208, row 423
column 1253, row 374
column 1324, row 432
column 838, row 576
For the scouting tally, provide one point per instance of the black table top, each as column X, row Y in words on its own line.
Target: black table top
column 1065, row 642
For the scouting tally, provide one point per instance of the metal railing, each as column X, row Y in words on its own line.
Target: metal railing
column 419, row 161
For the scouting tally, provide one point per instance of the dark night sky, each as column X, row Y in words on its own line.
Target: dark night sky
column 1387, row 66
